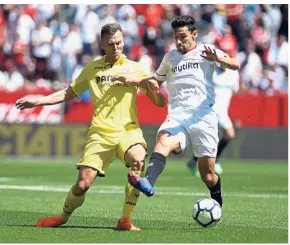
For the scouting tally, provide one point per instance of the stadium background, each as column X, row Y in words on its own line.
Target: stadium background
column 43, row 47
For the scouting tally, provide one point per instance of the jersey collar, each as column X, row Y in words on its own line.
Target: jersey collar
column 193, row 51
column 120, row 61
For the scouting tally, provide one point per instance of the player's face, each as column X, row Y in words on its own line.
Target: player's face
column 184, row 39
column 113, row 45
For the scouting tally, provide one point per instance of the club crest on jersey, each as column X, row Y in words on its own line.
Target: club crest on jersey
column 125, row 69
column 185, row 66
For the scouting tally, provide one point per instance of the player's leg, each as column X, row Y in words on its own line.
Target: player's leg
column 206, row 167
column 135, row 158
column 94, row 162
column 132, row 152
column 204, row 138
column 166, row 143
column 75, row 198
column 226, row 124
column 192, row 166
column 171, row 137
column 229, row 134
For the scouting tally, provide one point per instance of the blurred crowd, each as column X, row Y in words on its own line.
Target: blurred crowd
column 47, row 45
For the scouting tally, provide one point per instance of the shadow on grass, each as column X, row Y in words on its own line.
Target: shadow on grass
column 90, row 223
column 195, row 228
column 67, row 227
column 19, row 225
column 108, row 227
column 87, row 227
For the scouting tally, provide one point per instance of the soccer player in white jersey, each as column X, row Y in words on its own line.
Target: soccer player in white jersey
column 226, row 83
column 191, row 120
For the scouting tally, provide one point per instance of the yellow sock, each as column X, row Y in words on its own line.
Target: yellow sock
column 131, row 198
column 71, row 203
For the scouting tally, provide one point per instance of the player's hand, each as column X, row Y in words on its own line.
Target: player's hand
column 209, row 54
column 25, row 103
column 153, row 85
column 121, row 78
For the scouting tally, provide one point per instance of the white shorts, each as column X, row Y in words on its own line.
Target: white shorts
column 224, row 120
column 195, row 129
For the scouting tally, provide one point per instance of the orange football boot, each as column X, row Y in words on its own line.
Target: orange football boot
column 126, row 225
column 54, row 221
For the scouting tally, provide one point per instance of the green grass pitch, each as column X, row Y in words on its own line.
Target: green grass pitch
column 255, row 204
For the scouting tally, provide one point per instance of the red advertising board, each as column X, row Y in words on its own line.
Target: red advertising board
column 44, row 114
column 248, row 109
column 284, row 111
column 148, row 113
column 260, row 110
column 79, row 112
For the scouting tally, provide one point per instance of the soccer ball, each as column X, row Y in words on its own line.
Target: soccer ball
column 207, row 212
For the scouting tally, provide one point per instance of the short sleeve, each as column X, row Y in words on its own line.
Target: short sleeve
column 80, row 84
column 162, row 71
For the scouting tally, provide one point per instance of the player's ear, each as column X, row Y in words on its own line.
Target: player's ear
column 101, row 44
column 194, row 34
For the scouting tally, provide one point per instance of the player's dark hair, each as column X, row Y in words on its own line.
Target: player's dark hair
column 184, row 20
column 110, row 29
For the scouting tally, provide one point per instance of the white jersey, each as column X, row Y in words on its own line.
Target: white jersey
column 225, row 84
column 189, row 79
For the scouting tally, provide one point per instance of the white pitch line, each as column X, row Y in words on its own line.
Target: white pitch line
column 121, row 191
column 5, row 179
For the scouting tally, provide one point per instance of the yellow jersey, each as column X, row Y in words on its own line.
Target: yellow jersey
column 114, row 103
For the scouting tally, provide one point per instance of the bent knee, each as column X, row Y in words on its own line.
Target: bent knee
column 135, row 157
column 82, row 186
column 165, row 145
column 138, row 165
column 208, row 178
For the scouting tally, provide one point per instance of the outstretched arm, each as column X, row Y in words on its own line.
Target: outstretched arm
column 150, row 84
column 52, row 99
column 227, row 62
column 132, row 81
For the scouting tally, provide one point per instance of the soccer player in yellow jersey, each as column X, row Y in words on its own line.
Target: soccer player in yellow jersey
column 114, row 129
